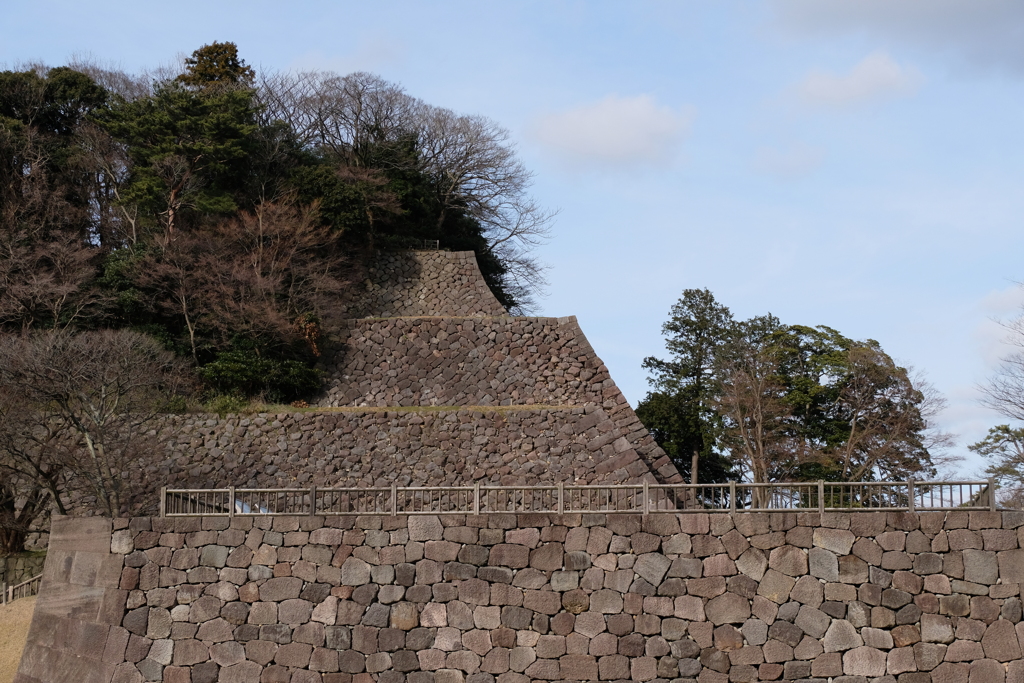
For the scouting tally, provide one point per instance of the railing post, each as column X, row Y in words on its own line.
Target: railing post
column 647, row 499
column 3, row 594
column 394, row 499
column 163, row 501
column 561, row 498
column 231, row 502
column 732, row 496
column 992, row 494
column 312, row 500
column 910, row 496
column 476, row 498
column 821, row 496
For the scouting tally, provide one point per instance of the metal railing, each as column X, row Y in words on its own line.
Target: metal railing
column 820, row 496
column 25, row 589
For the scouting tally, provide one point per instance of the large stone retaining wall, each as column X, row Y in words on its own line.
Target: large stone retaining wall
column 465, row 361
column 423, row 283
column 851, row 598
column 419, row 447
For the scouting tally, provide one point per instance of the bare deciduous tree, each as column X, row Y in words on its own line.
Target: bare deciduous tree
column 97, row 394
column 889, row 412
column 751, row 401
column 255, row 275
column 45, row 281
column 1004, row 391
column 470, row 160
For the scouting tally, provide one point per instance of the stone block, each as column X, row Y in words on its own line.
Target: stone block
column 839, row 541
column 788, row 560
column 841, row 636
column 775, row 586
column 864, row 661
column 752, row 563
column 728, row 609
column 986, row 670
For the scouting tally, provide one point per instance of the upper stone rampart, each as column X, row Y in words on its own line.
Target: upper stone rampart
column 456, row 361
column 424, row 283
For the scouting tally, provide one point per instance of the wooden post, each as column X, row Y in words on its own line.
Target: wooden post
column 394, row 499
column 911, row 494
column 821, row 496
column 992, row 494
column 647, row 504
column 163, row 501
column 231, row 503
column 476, row 498
column 312, row 500
column 561, row 498
column 732, row 496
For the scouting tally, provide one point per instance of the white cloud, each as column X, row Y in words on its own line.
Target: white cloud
column 792, row 161
column 615, row 131
column 981, row 32
column 875, row 77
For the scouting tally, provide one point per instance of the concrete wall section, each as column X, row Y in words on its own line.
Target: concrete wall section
column 851, row 598
column 423, row 283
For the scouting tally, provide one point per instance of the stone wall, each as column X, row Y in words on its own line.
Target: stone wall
column 423, row 283
column 412, row 447
column 21, row 567
column 852, row 598
column 464, row 361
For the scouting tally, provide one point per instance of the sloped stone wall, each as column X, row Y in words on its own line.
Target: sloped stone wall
column 412, row 448
column 464, row 361
column 851, row 598
column 457, row 361
column 423, row 283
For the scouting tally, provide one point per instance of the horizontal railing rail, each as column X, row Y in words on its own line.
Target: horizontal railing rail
column 820, row 496
column 25, row 589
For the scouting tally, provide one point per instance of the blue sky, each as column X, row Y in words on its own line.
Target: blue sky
column 853, row 163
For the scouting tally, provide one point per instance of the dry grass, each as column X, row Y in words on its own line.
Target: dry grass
column 14, row 622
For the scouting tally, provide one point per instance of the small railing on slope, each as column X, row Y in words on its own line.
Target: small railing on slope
column 25, row 589
column 820, row 496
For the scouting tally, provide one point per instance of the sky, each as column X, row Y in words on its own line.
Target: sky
column 850, row 163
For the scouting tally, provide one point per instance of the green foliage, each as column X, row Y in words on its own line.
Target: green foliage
column 144, row 210
column 1003, row 448
column 187, row 149
column 680, row 411
column 222, row 404
column 781, row 402
column 247, row 374
column 216, row 64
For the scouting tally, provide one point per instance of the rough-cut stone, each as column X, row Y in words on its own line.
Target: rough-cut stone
column 841, row 636
column 788, row 560
column 864, row 661
column 776, row 586
column 1000, row 642
column 727, row 609
column 936, row 629
column 980, row 566
column 839, row 541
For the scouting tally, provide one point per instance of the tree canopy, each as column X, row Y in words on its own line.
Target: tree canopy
column 775, row 402
column 153, row 204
